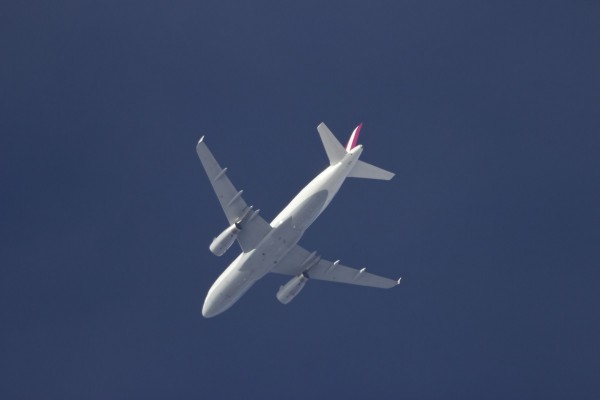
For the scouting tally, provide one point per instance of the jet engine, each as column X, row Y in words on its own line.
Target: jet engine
column 291, row 289
column 223, row 242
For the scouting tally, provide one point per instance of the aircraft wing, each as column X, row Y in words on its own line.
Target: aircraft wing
column 234, row 206
column 299, row 260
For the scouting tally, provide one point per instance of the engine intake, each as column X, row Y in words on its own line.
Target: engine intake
column 291, row 289
column 223, row 242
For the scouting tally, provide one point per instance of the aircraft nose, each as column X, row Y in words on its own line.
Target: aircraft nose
column 208, row 312
column 208, row 309
column 213, row 305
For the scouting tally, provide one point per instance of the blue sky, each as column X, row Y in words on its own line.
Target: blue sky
column 488, row 112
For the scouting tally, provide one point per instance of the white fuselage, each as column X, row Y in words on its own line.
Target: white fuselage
column 288, row 228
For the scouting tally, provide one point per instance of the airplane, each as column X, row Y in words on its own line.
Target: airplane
column 273, row 247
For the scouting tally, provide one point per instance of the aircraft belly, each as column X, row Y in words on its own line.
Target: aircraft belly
column 274, row 247
column 307, row 211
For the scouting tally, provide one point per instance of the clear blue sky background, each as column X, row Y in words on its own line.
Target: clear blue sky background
column 489, row 113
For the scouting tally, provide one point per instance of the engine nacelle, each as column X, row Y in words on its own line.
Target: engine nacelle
column 223, row 242
column 291, row 289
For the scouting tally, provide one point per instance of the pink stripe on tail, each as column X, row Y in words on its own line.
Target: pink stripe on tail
column 354, row 138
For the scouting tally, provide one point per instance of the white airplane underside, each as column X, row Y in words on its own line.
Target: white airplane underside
column 272, row 247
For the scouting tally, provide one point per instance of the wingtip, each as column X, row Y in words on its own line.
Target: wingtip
column 398, row 281
column 200, row 144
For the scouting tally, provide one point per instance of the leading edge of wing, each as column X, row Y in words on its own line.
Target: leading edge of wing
column 231, row 200
column 300, row 260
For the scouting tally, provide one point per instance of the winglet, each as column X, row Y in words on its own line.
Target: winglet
column 399, row 280
column 354, row 138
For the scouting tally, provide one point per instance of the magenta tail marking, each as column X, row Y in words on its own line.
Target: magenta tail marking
column 354, row 138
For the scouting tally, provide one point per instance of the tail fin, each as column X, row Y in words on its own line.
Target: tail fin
column 335, row 152
column 334, row 149
column 365, row 170
column 354, row 138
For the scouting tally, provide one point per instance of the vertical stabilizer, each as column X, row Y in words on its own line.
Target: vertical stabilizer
column 354, row 138
column 334, row 149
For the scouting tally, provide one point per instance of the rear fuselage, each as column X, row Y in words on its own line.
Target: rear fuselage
column 288, row 228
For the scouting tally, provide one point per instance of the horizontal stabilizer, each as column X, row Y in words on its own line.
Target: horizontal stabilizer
column 365, row 170
column 334, row 149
